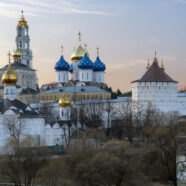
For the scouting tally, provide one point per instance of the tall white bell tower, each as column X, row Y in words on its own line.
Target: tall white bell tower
column 23, row 41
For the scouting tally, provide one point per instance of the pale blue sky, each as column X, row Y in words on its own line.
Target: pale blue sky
column 127, row 32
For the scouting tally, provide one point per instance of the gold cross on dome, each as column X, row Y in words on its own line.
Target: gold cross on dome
column 9, row 57
column 97, row 51
column 85, row 46
column 22, row 12
column 62, row 48
column 79, row 35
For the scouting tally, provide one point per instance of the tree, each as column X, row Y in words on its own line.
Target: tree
column 166, row 144
column 23, row 161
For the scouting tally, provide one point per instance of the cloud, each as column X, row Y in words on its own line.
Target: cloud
column 62, row 7
column 180, row 1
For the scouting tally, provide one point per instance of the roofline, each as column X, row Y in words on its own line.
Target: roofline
column 173, row 81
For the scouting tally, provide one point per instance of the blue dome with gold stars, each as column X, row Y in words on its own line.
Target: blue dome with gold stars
column 62, row 65
column 85, row 63
column 99, row 65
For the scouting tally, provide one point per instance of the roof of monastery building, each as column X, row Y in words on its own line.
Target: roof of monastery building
column 18, row 107
column 17, row 65
column 155, row 74
column 74, row 89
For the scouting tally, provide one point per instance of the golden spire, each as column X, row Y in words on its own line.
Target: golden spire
column 9, row 77
column 148, row 65
column 64, row 101
column 155, row 60
column 97, row 51
column 22, row 22
column 162, row 66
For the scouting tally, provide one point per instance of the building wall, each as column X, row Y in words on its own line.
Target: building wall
column 85, row 75
column 99, row 77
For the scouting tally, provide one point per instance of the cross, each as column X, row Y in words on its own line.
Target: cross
column 85, row 46
column 22, row 12
column 155, row 53
column 79, row 35
column 97, row 51
column 9, row 57
column 62, row 49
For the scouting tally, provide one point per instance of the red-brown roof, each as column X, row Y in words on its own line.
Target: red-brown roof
column 155, row 74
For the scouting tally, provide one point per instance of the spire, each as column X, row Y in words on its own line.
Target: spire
column 85, row 45
column 22, row 13
column 148, row 65
column 79, row 36
column 97, row 51
column 155, row 60
column 62, row 48
column 162, row 66
column 9, row 57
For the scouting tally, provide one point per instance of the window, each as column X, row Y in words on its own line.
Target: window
column 82, row 76
column 87, row 75
column 27, row 62
column 64, row 77
column 12, row 92
column 76, row 75
column 6, row 91
column 59, row 77
column 20, row 44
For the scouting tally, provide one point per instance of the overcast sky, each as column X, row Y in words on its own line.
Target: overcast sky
column 128, row 32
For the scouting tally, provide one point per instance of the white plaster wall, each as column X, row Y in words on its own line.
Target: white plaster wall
column 75, row 74
column 99, row 77
column 85, row 75
column 62, row 76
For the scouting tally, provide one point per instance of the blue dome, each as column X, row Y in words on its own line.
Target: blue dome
column 62, row 65
column 85, row 63
column 71, row 68
column 99, row 65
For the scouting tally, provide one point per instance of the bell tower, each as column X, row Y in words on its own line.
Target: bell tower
column 23, row 41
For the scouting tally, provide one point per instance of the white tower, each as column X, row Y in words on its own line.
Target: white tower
column 23, row 42
column 62, row 70
column 9, row 80
column 64, row 108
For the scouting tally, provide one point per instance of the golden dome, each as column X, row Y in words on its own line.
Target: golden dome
column 78, row 53
column 17, row 54
column 64, row 101
column 9, row 77
column 22, row 22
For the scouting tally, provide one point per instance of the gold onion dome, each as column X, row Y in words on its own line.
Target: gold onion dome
column 22, row 22
column 17, row 54
column 64, row 101
column 9, row 77
column 79, row 52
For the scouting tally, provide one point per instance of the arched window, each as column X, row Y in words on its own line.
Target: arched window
column 6, row 91
column 20, row 44
column 82, row 76
column 20, row 32
column 12, row 92
column 64, row 77
column 87, row 75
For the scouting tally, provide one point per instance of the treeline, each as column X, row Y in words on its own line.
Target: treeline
column 133, row 149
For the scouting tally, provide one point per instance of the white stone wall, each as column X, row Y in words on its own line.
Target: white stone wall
column 62, row 76
column 10, row 92
column 99, row 77
column 75, row 74
column 163, row 95
column 85, row 75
